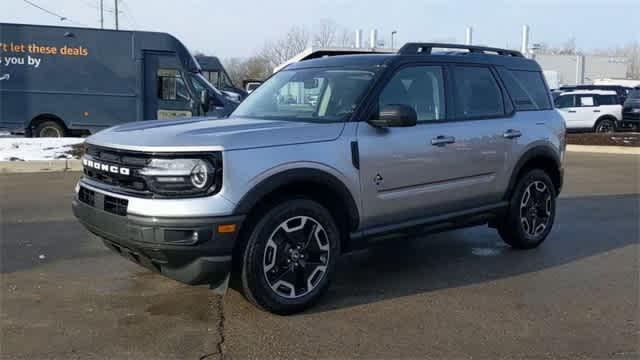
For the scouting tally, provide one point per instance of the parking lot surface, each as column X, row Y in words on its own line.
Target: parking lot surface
column 460, row 294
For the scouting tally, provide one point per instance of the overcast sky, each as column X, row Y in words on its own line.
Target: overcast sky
column 237, row 28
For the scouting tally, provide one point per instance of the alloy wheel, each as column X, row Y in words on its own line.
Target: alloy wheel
column 535, row 208
column 296, row 257
column 605, row 127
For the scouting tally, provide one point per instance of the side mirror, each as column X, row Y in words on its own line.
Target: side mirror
column 396, row 115
column 204, row 100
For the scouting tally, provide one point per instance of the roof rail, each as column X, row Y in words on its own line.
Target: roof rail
column 426, row 48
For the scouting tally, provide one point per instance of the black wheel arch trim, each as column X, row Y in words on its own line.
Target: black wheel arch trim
column 540, row 151
column 293, row 176
column 606, row 117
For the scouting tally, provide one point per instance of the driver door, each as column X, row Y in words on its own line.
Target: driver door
column 167, row 95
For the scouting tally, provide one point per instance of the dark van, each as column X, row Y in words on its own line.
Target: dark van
column 217, row 75
column 64, row 81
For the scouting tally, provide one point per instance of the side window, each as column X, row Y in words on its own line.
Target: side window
column 587, row 101
column 565, row 101
column 527, row 89
column 171, row 86
column 476, row 93
column 421, row 87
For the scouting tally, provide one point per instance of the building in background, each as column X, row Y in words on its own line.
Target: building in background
column 580, row 69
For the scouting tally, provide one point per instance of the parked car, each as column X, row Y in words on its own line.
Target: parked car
column 64, row 81
column 631, row 111
column 621, row 91
column 590, row 110
column 408, row 143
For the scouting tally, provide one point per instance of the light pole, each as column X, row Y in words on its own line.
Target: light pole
column 116, row 13
column 101, row 14
column 393, row 34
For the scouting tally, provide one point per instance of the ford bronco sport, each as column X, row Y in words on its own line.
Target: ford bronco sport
column 325, row 156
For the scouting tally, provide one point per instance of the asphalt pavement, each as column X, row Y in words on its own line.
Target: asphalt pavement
column 460, row 294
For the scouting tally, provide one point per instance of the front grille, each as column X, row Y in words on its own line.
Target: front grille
column 115, row 205
column 129, row 183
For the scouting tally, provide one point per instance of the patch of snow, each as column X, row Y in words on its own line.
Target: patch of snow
column 25, row 149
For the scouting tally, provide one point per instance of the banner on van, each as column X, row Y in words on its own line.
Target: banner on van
column 20, row 54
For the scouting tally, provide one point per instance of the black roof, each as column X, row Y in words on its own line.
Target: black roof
column 479, row 55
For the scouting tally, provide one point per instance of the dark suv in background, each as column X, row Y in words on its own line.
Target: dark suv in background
column 631, row 110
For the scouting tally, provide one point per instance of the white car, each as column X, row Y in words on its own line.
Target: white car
column 592, row 110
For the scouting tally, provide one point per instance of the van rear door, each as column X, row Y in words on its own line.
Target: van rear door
column 166, row 92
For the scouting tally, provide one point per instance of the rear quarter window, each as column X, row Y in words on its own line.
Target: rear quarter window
column 608, row 100
column 527, row 89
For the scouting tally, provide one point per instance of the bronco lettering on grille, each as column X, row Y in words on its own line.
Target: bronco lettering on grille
column 105, row 167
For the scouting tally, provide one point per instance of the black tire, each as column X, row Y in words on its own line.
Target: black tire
column 49, row 128
column 605, row 125
column 519, row 228
column 265, row 266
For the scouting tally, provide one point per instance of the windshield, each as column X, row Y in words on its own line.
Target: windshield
column 200, row 83
column 317, row 94
column 634, row 94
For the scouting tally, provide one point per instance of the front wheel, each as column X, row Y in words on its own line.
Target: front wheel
column 531, row 211
column 290, row 257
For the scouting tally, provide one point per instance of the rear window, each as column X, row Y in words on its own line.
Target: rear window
column 527, row 89
column 477, row 94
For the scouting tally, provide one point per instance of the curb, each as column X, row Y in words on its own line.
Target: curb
column 626, row 150
column 7, row 167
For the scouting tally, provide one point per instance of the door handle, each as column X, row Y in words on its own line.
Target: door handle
column 512, row 134
column 596, row 110
column 5, row 77
column 571, row 111
column 442, row 140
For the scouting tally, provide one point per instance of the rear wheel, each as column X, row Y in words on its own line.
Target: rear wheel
column 49, row 128
column 605, row 126
column 531, row 211
column 290, row 257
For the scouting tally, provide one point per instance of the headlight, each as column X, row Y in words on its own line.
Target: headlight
column 181, row 176
column 635, row 110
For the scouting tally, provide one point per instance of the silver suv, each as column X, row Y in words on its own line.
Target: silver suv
column 324, row 157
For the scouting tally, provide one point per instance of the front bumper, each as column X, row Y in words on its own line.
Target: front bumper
column 165, row 245
column 629, row 119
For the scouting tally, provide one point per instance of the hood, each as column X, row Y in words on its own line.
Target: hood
column 205, row 134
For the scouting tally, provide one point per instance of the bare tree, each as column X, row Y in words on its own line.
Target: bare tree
column 325, row 34
column 279, row 51
column 346, row 38
column 236, row 70
column 255, row 67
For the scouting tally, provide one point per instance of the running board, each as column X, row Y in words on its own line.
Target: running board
column 465, row 218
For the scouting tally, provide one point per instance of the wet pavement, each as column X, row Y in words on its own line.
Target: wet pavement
column 460, row 294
